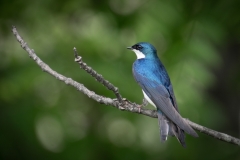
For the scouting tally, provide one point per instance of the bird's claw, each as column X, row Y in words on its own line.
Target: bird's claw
column 144, row 103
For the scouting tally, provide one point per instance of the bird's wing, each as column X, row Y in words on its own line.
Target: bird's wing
column 161, row 98
column 170, row 90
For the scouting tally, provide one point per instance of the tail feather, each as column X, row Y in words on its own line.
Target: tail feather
column 169, row 128
column 164, row 126
column 179, row 134
column 181, row 137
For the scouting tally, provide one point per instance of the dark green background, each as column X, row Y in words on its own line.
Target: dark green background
column 43, row 118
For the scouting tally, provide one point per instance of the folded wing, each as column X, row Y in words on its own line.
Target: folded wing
column 161, row 98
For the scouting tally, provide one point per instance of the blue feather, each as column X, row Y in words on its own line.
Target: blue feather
column 153, row 78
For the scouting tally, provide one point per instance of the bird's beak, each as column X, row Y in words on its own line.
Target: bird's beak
column 129, row 48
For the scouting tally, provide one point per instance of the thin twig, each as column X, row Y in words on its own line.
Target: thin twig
column 125, row 105
column 97, row 76
column 120, row 103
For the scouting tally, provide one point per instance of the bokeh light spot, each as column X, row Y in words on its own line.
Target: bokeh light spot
column 121, row 132
column 50, row 133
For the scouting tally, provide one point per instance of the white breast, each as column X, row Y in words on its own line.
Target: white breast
column 148, row 99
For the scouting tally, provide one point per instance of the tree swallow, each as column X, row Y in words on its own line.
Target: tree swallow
column 157, row 89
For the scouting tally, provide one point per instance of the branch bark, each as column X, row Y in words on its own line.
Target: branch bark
column 120, row 103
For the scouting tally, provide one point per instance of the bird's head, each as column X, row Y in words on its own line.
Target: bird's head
column 144, row 50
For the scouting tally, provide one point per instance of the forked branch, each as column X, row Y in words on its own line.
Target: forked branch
column 119, row 102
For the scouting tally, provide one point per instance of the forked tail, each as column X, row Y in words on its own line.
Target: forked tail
column 169, row 128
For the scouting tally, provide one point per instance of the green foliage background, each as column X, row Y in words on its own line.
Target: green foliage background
column 42, row 118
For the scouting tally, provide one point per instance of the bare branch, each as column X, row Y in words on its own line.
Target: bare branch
column 97, row 76
column 125, row 105
column 120, row 103
column 60, row 77
column 215, row 134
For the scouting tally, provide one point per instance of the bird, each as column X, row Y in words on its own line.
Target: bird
column 150, row 73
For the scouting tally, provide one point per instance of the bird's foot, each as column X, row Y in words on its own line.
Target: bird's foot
column 144, row 103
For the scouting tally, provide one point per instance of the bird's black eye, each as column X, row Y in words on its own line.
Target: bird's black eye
column 137, row 47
